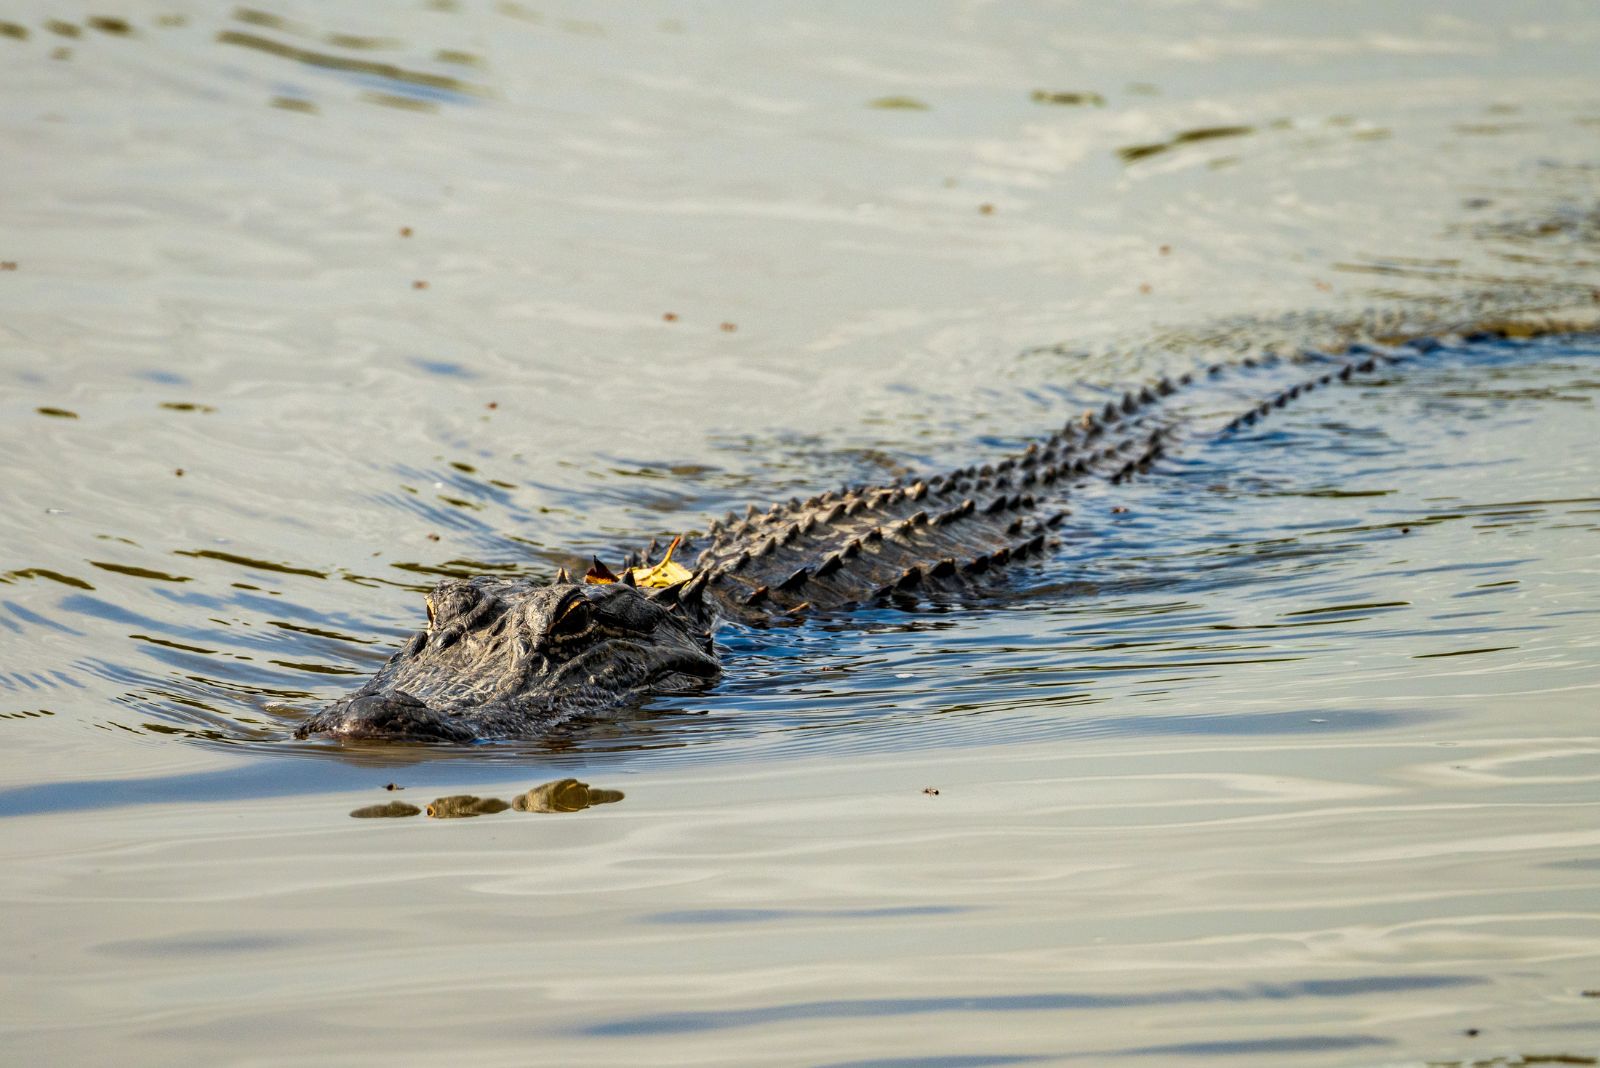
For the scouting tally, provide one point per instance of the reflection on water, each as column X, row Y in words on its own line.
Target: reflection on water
column 1039, row 1002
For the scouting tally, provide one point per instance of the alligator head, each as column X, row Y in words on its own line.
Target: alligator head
column 505, row 658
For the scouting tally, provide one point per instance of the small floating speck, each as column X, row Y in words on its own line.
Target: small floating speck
column 419, row 284
column 464, row 59
column 110, row 24
column 1080, row 99
column 294, row 103
column 57, row 413
column 898, row 103
column 395, row 100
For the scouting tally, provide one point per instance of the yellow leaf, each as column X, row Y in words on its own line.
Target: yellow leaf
column 666, row 573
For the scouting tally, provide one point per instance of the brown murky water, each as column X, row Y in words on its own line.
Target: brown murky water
column 1288, row 756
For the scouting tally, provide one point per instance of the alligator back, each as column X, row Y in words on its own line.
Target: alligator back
column 953, row 531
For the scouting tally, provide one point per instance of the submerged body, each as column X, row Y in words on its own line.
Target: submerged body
column 513, row 658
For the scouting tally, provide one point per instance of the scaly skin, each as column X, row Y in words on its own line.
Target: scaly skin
column 512, row 658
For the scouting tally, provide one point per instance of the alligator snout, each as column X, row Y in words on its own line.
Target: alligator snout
column 391, row 716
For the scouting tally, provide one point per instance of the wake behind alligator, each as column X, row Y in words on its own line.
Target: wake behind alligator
column 513, row 658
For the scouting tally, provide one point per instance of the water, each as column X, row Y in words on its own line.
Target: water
column 1288, row 753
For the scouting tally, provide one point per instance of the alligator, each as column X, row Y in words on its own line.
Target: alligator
column 505, row 658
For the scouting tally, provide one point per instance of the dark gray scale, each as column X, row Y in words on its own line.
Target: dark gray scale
column 840, row 548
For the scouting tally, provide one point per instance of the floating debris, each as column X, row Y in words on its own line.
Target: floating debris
column 564, row 795
column 392, row 810
column 464, row 806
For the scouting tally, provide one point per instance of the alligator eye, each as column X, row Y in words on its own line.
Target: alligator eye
column 574, row 619
column 428, row 601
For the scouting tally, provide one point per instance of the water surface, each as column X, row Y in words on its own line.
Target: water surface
column 1287, row 753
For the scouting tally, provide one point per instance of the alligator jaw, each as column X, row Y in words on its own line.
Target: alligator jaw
column 395, row 716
